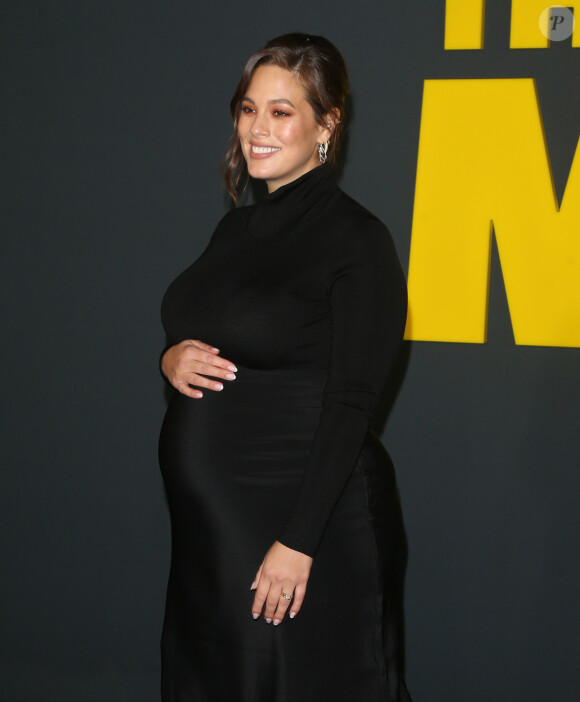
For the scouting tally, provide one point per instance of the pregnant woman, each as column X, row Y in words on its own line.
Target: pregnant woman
column 286, row 525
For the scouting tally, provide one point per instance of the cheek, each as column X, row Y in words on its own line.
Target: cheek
column 241, row 128
column 296, row 134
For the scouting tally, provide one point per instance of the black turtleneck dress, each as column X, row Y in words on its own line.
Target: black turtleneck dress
column 305, row 294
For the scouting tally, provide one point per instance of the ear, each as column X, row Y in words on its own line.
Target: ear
column 330, row 120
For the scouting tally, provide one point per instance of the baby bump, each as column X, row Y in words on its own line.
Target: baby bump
column 258, row 430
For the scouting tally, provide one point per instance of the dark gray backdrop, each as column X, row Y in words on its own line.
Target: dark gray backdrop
column 113, row 120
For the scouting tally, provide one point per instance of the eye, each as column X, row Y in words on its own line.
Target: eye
column 280, row 113
column 246, row 109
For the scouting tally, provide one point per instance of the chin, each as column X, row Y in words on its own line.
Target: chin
column 257, row 171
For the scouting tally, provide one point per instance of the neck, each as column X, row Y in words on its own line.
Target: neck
column 292, row 204
column 274, row 185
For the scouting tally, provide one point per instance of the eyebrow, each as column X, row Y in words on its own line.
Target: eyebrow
column 275, row 101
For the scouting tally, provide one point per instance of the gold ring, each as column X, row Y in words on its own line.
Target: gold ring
column 286, row 595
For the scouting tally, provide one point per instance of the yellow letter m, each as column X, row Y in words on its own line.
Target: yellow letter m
column 483, row 167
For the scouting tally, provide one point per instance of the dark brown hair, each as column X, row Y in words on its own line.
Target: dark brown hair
column 319, row 67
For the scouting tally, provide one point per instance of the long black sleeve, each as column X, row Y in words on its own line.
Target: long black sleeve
column 368, row 303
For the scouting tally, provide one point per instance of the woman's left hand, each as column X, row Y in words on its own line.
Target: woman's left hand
column 283, row 570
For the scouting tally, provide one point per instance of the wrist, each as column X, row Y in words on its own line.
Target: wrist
column 163, row 365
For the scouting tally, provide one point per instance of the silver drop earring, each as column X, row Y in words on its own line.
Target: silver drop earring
column 322, row 150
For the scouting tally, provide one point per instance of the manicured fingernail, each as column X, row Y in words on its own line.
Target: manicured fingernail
column 277, row 621
column 198, row 394
column 213, row 348
column 230, row 376
column 268, row 620
column 232, row 368
column 218, row 386
column 255, row 615
column 253, row 585
column 292, row 615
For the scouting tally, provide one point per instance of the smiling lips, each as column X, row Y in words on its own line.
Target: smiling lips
column 263, row 151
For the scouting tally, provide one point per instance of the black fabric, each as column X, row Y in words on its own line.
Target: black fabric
column 305, row 294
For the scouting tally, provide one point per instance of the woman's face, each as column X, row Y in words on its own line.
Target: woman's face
column 277, row 129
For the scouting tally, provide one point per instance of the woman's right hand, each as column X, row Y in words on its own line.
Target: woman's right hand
column 188, row 363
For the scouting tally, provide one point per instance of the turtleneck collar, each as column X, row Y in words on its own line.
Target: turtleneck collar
column 297, row 202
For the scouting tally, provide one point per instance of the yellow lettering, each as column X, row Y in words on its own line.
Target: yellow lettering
column 483, row 161
column 464, row 23
column 530, row 23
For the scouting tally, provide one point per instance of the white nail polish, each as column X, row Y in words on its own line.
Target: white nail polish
column 255, row 615
column 218, row 386
column 268, row 620
column 233, row 368
column 230, row 376
column 292, row 615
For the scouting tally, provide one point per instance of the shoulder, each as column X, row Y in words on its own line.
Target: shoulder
column 362, row 249
column 233, row 220
column 355, row 228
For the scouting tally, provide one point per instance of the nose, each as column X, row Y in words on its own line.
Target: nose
column 259, row 126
